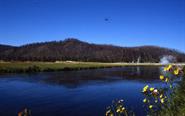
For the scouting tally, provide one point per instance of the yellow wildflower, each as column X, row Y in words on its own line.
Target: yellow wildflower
column 176, row 71
column 161, row 77
column 162, row 101
column 118, row 110
column 109, row 114
column 144, row 100
column 166, row 80
column 165, row 68
column 151, row 89
column 169, row 67
column 123, row 108
column 145, row 88
column 150, row 106
column 161, row 96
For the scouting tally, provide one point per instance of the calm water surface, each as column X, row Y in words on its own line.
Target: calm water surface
column 76, row 93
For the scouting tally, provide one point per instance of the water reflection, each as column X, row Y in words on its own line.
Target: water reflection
column 73, row 79
column 77, row 78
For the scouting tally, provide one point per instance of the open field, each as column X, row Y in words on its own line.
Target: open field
column 17, row 67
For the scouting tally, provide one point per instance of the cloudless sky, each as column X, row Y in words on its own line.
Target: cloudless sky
column 130, row 22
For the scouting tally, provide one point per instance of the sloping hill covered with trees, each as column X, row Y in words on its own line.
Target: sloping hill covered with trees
column 76, row 50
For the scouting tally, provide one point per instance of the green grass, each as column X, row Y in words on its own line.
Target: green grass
column 18, row 67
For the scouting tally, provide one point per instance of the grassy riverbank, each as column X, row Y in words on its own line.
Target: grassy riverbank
column 18, row 67
column 21, row 67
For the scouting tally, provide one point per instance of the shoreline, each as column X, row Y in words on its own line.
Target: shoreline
column 29, row 67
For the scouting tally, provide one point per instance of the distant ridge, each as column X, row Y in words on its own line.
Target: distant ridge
column 76, row 50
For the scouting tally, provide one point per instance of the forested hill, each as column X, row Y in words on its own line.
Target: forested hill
column 76, row 50
column 5, row 47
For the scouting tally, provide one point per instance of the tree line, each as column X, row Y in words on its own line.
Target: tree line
column 75, row 50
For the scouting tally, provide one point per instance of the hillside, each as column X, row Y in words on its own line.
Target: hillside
column 73, row 49
column 5, row 47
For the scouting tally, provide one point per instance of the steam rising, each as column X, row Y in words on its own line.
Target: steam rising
column 167, row 59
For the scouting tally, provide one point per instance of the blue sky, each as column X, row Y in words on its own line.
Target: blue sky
column 130, row 22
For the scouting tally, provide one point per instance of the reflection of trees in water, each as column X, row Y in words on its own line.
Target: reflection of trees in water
column 76, row 78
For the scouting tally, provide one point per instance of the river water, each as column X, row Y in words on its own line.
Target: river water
column 76, row 93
